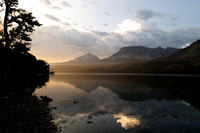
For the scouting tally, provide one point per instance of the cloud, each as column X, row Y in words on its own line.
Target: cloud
column 46, row 2
column 51, row 17
column 106, row 13
column 68, row 43
column 156, row 37
column 67, row 24
column 61, row 43
column 185, row 45
column 75, row 23
column 128, row 25
column 84, row 6
column 101, row 33
column 92, row 2
column 105, row 24
column 129, row 10
column 148, row 14
column 175, row 18
column 56, row 7
column 66, row 4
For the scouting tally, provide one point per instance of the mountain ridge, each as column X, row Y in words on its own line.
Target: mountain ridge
column 124, row 55
column 139, row 54
column 185, row 61
column 187, row 53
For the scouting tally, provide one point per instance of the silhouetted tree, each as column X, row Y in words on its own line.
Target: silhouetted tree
column 15, row 41
column 8, row 6
column 18, row 25
column 1, row 36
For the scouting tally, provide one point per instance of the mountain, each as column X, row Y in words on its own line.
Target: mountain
column 189, row 54
column 83, row 60
column 185, row 61
column 125, row 55
column 87, row 57
column 138, row 54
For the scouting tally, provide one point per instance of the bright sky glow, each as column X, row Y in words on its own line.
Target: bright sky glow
column 128, row 25
column 74, row 27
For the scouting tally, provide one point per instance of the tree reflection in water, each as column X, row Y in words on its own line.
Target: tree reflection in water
column 117, row 103
column 21, row 110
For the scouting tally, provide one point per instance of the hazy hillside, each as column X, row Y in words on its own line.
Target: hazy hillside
column 125, row 55
column 82, row 60
column 138, row 54
column 185, row 61
column 189, row 54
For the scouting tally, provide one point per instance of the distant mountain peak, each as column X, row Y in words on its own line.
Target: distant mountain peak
column 87, row 57
column 90, row 54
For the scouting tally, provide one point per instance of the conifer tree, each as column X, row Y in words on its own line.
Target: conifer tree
column 18, row 25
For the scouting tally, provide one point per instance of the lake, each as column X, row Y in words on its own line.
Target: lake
column 124, row 103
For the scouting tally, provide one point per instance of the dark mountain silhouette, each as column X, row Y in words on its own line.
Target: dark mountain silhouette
column 125, row 55
column 189, row 54
column 138, row 54
column 186, row 61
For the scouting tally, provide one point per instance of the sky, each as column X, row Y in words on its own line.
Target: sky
column 72, row 28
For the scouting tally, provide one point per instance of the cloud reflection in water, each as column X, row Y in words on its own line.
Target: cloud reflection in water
column 127, row 122
column 110, row 113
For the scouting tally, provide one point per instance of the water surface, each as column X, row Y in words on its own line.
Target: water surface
column 124, row 103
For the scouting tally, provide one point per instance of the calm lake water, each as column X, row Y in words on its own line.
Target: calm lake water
column 124, row 103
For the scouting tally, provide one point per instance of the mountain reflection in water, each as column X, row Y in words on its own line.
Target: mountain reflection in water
column 98, row 103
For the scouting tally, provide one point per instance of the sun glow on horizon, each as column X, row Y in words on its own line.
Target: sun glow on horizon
column 72, row 28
